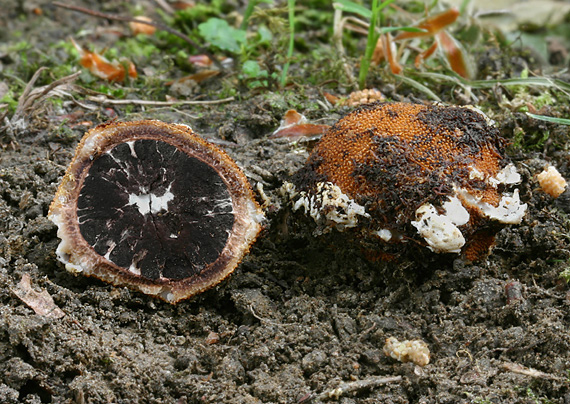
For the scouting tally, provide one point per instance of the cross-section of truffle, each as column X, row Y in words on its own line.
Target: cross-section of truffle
column 152, row 206
column 400, row 172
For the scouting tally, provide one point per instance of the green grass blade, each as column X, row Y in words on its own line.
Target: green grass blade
column 291, row 7
column 418, row 86
column 561, row 121
column 352, row 7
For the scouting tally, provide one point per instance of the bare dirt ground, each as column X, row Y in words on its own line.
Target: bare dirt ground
column 303, row 318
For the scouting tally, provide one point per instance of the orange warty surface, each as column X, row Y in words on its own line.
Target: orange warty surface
column 392, row 158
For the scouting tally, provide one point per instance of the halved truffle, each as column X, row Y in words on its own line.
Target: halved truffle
column 154, row 207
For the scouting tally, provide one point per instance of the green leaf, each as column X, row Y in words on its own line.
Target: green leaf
column 251, row 68
column 265, row 35
column 352, row 7
column 220, row 34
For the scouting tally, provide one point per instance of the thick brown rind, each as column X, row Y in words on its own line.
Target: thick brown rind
column 79, row 256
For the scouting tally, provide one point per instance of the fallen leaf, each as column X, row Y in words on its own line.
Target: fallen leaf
column 40, row 302
column 100, row 67
column 295, row 125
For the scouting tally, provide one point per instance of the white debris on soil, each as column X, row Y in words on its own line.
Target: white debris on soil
column 552, row 182
column 415, row 351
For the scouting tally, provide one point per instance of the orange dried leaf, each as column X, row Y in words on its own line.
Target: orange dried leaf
column 455, row 54
column 425, row 54
column 292, row 117
column 389, row 54
column 302, row 130
column 333, row 99
column 295, row 125
column 432, row 25
column 182, row 5
column 200, row 60
column 100, row 67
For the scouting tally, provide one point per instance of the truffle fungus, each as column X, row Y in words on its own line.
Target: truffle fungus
column 154, row 207
column 401, row 171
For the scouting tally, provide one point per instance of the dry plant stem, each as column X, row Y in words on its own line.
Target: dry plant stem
column 28, row 98
column 23, row 101
column 105, row 100
column 152, row 23
column 353, row 387
column 339, row 24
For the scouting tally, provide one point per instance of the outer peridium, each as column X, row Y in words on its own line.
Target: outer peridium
column 79, row 256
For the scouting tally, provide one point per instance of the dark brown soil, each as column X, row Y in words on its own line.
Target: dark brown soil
column 302, row 315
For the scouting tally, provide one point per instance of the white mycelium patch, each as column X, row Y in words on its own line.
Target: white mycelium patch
column 507, row 176
column 329, row 203
column 221, row 207
column 510, row 210
column 415, row 351
column 440, row 231
column 131, row 145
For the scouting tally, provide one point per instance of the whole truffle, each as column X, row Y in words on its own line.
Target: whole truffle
column 400, row 172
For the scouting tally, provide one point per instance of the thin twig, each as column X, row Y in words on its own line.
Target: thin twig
column 152, row 23
column 105, row 100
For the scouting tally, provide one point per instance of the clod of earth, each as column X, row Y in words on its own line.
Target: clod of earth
column 154, row 207
column 398, row 172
